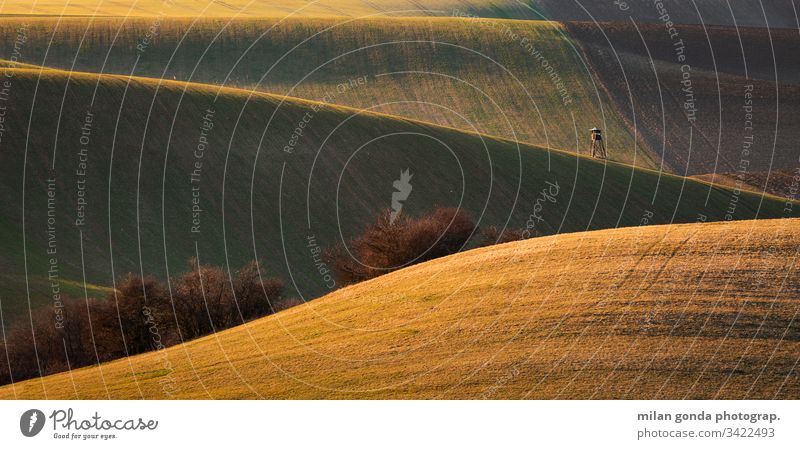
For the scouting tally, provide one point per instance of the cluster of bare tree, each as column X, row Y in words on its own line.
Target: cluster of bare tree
column 140, row 315
column 390, row 244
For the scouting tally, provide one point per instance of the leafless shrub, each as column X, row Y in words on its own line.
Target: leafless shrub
column 387, row 245
column 255, row 296
column 137, row 317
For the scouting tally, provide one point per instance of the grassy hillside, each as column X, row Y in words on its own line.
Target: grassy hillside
column 106, row 175
column 774, row 13
column 250, row 8
column 729, row 106
column 518, row 80
column 539, row 82
column 679, row 311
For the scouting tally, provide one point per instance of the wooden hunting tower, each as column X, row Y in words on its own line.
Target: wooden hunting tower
column 598, row 147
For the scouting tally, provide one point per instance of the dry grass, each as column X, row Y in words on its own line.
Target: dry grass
column 6, row 64
column 697, row 311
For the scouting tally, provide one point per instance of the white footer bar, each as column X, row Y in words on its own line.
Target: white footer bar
column 400, row 424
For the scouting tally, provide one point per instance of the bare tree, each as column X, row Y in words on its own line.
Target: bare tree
column 391, row 243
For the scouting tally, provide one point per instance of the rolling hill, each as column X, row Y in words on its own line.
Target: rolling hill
column 106, row 175
column 249, row 8
column 659, row 312
column 706, row 99
column 542, row 83
column 747, row 52
column 774, row 13
column 518, row 80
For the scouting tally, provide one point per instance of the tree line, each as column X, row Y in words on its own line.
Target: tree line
column 140, row 315
column 143, row 315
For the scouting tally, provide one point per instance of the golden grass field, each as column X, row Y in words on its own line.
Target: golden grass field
column 744, row 13
column 251, row 8
column 674, row 311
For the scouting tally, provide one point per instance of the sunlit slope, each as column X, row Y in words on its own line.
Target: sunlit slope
column 731, row 104
column 152, row 178
column 520, row 80
column 19, row 65
column 250, row 8
column 678, row 311
column 773, row 13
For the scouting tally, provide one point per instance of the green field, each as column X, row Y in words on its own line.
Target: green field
column 519, row 80
column 258, row 201
column 662, row 312
column 542, row 83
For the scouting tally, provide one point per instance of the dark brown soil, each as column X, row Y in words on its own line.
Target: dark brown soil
column 750, row 52
column 782, row 183
column 772, row 13
column 650, row 93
